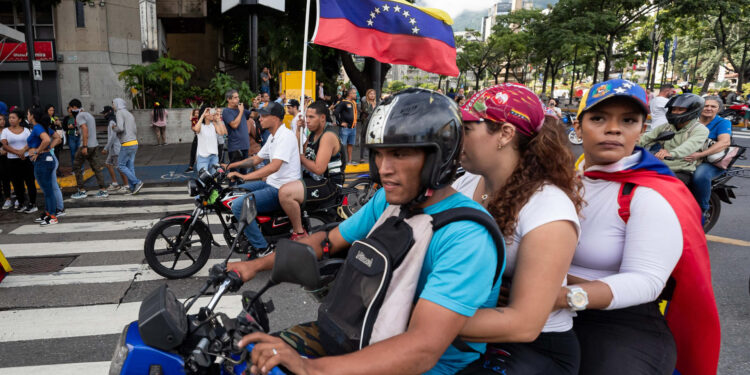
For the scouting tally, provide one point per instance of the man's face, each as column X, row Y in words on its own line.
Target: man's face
column 314, row 121
column 269, row 121
column 610, row 131
column 352, row 94
column 292, row 110
column 710, row 109
column 234, row 100
column 399, row 170
column 265, row 97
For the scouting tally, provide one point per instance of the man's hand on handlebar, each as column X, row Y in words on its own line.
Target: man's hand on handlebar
column 270, row 351
column 236, row 176
column 662, row 154
column 246, row 269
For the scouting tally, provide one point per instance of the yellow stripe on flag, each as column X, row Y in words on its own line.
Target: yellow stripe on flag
column 437, row 13
column 4, row 263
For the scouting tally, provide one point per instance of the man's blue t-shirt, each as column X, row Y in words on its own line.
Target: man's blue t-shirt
column 718, row 126
column 34, row 139
column 458, row 268
column 237, row 139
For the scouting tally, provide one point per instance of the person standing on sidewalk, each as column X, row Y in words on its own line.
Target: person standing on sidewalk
column 126, row 132
column 112, row 150
column 346, row 114
column 39, row 143
column 4, row 171
column 159, row 123
column 366, row 106
column 71, row 135
column 88, row 151
column 209, row 125
column 14, row 140
column 238, row 138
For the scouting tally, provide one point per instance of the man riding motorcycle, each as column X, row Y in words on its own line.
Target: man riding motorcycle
column 414, row 139
column 324, row 170
column 682, row 116
column 283, row 151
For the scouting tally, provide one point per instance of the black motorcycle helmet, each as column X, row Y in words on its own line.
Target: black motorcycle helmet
column 419, row 118
column 692, row 102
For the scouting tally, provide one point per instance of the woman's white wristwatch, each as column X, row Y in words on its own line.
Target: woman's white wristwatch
column 577, row 298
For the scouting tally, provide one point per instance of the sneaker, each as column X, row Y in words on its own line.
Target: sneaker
column 19, row 208
column 126, row 190
column 61, row 213
column 114, row 187
column 137, row 188
column 49, row 220
column 79, row 195
column 30, row 209
column 15, row 205
column 298, row 236
column 41, row 218
column 354, row 163
column 102, row 194
column 7, row 204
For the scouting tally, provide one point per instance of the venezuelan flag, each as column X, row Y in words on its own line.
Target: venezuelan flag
column 394, row 32
column 691, row 314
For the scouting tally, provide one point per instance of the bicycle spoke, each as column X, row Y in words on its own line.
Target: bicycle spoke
column 174, row 264
column 165, row 252
column 171, row 244
column 190, row 256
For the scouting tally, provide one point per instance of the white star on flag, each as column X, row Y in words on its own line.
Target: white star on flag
column 627, row 84
column 372, row 15
column 620, row 90
column 369, row 22
column 386, row 7
column 406, row 13
column 377, row 10
column 412, row 21
column 397, row 9
column 415, row 30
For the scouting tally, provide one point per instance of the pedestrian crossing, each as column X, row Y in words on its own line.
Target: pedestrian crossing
column 68, row 320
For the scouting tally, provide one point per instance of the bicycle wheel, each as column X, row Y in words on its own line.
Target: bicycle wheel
column 365, row 191
column 166, row 259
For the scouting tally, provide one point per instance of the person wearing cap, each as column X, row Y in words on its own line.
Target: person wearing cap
column 639, row 224
column 282, row 150
column 112, row 150
column 518, row 167
column 292, row 108
column 683, row 113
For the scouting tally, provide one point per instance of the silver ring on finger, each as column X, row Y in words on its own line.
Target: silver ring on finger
column 274, row 351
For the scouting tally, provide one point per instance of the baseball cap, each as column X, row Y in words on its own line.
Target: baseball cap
column 292, row 103
column 507, row 102
column 273, row 109
column 603, row 91
column 107, row 109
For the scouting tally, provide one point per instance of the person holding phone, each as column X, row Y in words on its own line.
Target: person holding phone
column 209, row 125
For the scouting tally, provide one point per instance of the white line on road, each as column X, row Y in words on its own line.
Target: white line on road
column 37, row 249
column 101, row 211
column 114, row 273
column 137, row 197
column 94, row 320
column 740, row 135
column 102, row 226
column 91, row 368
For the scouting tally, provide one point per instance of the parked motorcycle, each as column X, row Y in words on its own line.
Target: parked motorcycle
column 567, row 120
column 167, row 340
column 178, row 246
column 735, row 112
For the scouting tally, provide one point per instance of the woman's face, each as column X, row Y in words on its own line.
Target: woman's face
column 2, row 121
column 13, row 119
column 371, row 95
column 610, row 131
column 195, row 113
column 30, row 118
column 479, row 148
column 51, row 111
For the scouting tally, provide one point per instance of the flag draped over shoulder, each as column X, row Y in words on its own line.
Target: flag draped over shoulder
column 389, row 31
column 691, row 314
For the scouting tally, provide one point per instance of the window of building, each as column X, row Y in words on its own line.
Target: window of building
column 11, row 15
column 83, row 78
column 80, row 21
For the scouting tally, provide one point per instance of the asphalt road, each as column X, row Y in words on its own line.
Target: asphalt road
column 69, row 321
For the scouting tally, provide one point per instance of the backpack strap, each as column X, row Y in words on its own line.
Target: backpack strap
column 624, row 197
column 452, row 215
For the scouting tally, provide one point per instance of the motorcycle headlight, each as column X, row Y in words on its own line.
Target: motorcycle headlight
column 193, row 188
column 121, row 354
column 162, row 322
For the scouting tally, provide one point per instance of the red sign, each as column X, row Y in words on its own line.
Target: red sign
column 43, row 50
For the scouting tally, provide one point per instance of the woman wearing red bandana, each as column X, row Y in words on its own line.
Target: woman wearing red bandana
column 518, row 167
column 641, row 242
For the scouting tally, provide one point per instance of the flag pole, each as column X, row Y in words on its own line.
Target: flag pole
column 303, row 109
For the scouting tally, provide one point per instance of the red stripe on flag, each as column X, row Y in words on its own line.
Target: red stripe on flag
column 428, row 54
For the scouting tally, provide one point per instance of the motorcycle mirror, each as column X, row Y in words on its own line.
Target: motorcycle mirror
column 295, row 263
column 664, row 136
column 249, row 211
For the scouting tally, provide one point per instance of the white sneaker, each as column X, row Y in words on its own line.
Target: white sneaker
column 7, row 204
column 79, row 195
column 49, row 220
column 114, row 187
column 30, row 209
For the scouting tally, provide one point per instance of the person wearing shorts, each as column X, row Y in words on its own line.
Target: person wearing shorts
column 346, row 114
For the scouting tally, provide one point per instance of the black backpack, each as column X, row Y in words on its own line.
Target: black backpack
column 347, row 315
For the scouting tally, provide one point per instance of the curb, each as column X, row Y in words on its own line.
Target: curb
column 359, row 168
column 70, row 181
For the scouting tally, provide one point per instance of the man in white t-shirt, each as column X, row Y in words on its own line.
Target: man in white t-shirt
column 282, row 149
column 292, row 108
column 658, row 105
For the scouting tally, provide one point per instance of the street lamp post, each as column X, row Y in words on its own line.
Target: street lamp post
column 30, row 52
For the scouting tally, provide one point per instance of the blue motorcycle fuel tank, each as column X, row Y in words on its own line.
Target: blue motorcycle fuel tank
column 141, row 357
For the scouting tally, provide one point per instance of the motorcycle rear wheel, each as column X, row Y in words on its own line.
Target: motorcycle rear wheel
column 574, row 138
column 164, row 258
column 365, row 191
column 712, row 215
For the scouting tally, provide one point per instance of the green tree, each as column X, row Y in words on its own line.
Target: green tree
column 474, row 55
column 173, row 71
column 135, row 79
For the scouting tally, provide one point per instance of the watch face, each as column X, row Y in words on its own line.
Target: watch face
column 578, row 299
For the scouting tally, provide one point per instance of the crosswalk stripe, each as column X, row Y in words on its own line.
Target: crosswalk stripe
column 114, row 273
column 137, row 197
column 64, row 322
column 102, row 226
column 38, row 249
column 740, row 135
column 90, row 368
column 101, row 211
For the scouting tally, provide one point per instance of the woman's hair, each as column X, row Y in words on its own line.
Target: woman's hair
column 544, row 158
column 192, row 113
column 47, row 107
column 367, row 94
column 158, row 112
column 203, row 109
column 40, row 117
